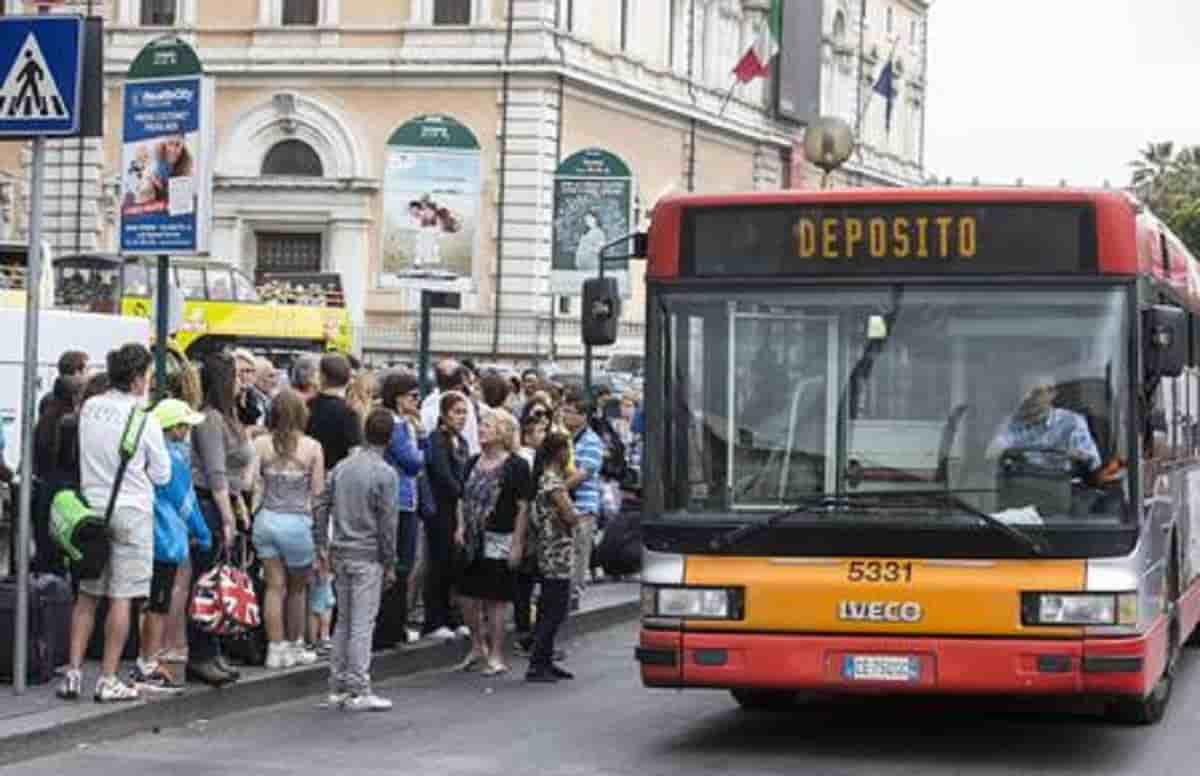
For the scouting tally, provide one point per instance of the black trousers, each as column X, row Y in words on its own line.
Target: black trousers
column 392, row 620
column 205, row 646
column 523, row 602
column 552, row 611
column 49, row 559
column 439, row 572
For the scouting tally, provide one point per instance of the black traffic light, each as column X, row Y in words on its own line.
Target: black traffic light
column 601, row 311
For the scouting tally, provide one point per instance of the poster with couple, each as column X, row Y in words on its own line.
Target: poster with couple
column 431, row 203
column 166, row 187
column 593, row 194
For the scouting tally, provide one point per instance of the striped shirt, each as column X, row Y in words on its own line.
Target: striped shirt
column 589, row 456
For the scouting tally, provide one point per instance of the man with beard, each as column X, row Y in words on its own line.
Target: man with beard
column 1038, row 424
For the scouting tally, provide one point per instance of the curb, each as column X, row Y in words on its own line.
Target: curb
column 27, row 744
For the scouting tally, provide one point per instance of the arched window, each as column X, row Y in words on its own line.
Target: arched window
column 292, row 157
column 891, row 21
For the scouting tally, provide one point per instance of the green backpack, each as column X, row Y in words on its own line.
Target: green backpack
column 79, row 530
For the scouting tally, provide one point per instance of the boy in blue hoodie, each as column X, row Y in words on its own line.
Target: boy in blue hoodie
column 177, row 519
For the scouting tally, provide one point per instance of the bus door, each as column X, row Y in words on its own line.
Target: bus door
column 782, row 427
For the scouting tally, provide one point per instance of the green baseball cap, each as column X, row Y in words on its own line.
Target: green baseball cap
column 173, row 412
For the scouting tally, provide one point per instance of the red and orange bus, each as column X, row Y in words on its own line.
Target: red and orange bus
column 920, row 441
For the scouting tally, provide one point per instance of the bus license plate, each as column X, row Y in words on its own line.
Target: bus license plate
column 881, row 668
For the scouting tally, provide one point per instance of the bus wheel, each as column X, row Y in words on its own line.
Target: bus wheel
column 765, row 700
column 1150, row 709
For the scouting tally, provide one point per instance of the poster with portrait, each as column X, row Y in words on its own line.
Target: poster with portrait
column 431, row 204
column 593, row 199
column 165, row 175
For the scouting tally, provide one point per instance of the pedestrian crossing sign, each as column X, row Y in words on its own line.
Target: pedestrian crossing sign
column 41, row 60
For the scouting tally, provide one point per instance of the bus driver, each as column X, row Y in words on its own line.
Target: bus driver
column 1039, row 425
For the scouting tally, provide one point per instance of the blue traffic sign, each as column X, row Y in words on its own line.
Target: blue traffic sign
column 41, row 64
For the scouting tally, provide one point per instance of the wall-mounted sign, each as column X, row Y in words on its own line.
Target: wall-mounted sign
column 593, row 205
column 431, row 203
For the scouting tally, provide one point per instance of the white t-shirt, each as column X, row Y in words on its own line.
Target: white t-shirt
column 430, row 410
column 101, row 423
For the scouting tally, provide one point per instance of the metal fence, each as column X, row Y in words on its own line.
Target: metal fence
column 522, row 338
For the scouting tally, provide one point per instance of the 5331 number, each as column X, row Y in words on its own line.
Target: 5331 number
column 879, row 571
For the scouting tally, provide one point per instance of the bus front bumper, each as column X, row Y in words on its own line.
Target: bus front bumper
column 835, row 663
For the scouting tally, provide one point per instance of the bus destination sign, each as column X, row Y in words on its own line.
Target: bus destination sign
column 902, row 239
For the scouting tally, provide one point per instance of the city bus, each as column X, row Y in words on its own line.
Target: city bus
column 281, row 316
column 920, row 441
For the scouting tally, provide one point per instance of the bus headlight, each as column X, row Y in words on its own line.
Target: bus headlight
column 704, row 603
column 1079, row 608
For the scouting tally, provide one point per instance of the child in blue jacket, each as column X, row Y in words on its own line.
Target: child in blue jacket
column 177, row 520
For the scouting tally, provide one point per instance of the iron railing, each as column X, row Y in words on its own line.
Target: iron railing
column 523, row 338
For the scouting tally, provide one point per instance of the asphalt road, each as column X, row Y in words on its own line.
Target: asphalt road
column 606, row 723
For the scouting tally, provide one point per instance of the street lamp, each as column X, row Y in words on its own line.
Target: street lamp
column 828, row 143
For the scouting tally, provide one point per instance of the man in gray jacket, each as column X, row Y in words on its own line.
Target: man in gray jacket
column 360, row 499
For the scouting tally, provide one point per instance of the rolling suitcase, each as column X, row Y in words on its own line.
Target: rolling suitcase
column 50, row 602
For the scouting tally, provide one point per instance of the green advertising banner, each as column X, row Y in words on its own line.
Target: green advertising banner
column 431, row 203
column 593, row 205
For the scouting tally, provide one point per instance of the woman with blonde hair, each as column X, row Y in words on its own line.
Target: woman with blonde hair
column 495, row 504
column 290, row 466
column 360, row 394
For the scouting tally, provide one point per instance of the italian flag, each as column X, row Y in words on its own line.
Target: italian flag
column 756, row 62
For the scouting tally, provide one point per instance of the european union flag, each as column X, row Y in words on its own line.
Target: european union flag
column 886, row 87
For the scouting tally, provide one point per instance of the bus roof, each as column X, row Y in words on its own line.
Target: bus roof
column 1130, row 240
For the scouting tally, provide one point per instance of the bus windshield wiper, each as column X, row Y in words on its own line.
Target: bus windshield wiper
column 953, row 498
column 812, row 506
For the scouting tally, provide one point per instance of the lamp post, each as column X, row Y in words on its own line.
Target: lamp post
column 828, row 143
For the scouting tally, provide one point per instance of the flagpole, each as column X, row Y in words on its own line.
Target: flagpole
column 728, row 95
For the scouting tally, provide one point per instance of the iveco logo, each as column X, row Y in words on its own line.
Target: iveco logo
column 880, row 611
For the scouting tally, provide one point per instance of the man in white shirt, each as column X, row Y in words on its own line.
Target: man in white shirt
column 103, row 422
column 451, row 376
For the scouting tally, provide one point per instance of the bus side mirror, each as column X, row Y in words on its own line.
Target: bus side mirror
column 1164, row 341
column 601, row 311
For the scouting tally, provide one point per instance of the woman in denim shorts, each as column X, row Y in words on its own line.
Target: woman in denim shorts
column 290, row 468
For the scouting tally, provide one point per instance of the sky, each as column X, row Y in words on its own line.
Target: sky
column 1046, row 90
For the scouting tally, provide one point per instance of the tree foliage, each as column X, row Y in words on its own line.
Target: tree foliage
column 1166, row 177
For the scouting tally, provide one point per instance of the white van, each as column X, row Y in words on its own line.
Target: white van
column 58, row 331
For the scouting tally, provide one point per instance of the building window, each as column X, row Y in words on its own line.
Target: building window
column 158, row 13
column 839, row 28
column 300, row 12
column 891, row 21
column 287, row 252
column 293, row 158
column 452, row 12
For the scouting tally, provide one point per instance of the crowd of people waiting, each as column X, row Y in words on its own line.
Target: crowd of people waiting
column 356, row 497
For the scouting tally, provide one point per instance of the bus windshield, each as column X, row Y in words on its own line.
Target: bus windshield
column 1013, row 400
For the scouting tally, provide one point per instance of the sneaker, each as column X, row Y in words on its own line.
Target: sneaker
column 72, row 684
column 110, row 689
column 334, row 700
column 463, row 632
column 540, row 675
column 279, row 656
column 411, row 635
column 158, row 682
column 561, row 672
column 369, row 702
column 442, row 634
column 302, row 655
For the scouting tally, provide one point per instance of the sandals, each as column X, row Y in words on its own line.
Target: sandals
column 496, row 669
column 473, row 663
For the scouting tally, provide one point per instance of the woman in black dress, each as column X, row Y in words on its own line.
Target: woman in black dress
column 495, row 510
column 447, row 465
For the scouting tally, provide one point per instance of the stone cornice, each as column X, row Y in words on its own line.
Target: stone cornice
column 348, row 185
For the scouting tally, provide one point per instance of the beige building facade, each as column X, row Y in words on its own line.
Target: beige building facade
column 339, row 120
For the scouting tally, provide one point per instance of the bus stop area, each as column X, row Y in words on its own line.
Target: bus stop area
column 37, row 724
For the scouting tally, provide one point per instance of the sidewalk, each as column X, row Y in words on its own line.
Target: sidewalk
column 37, row 724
